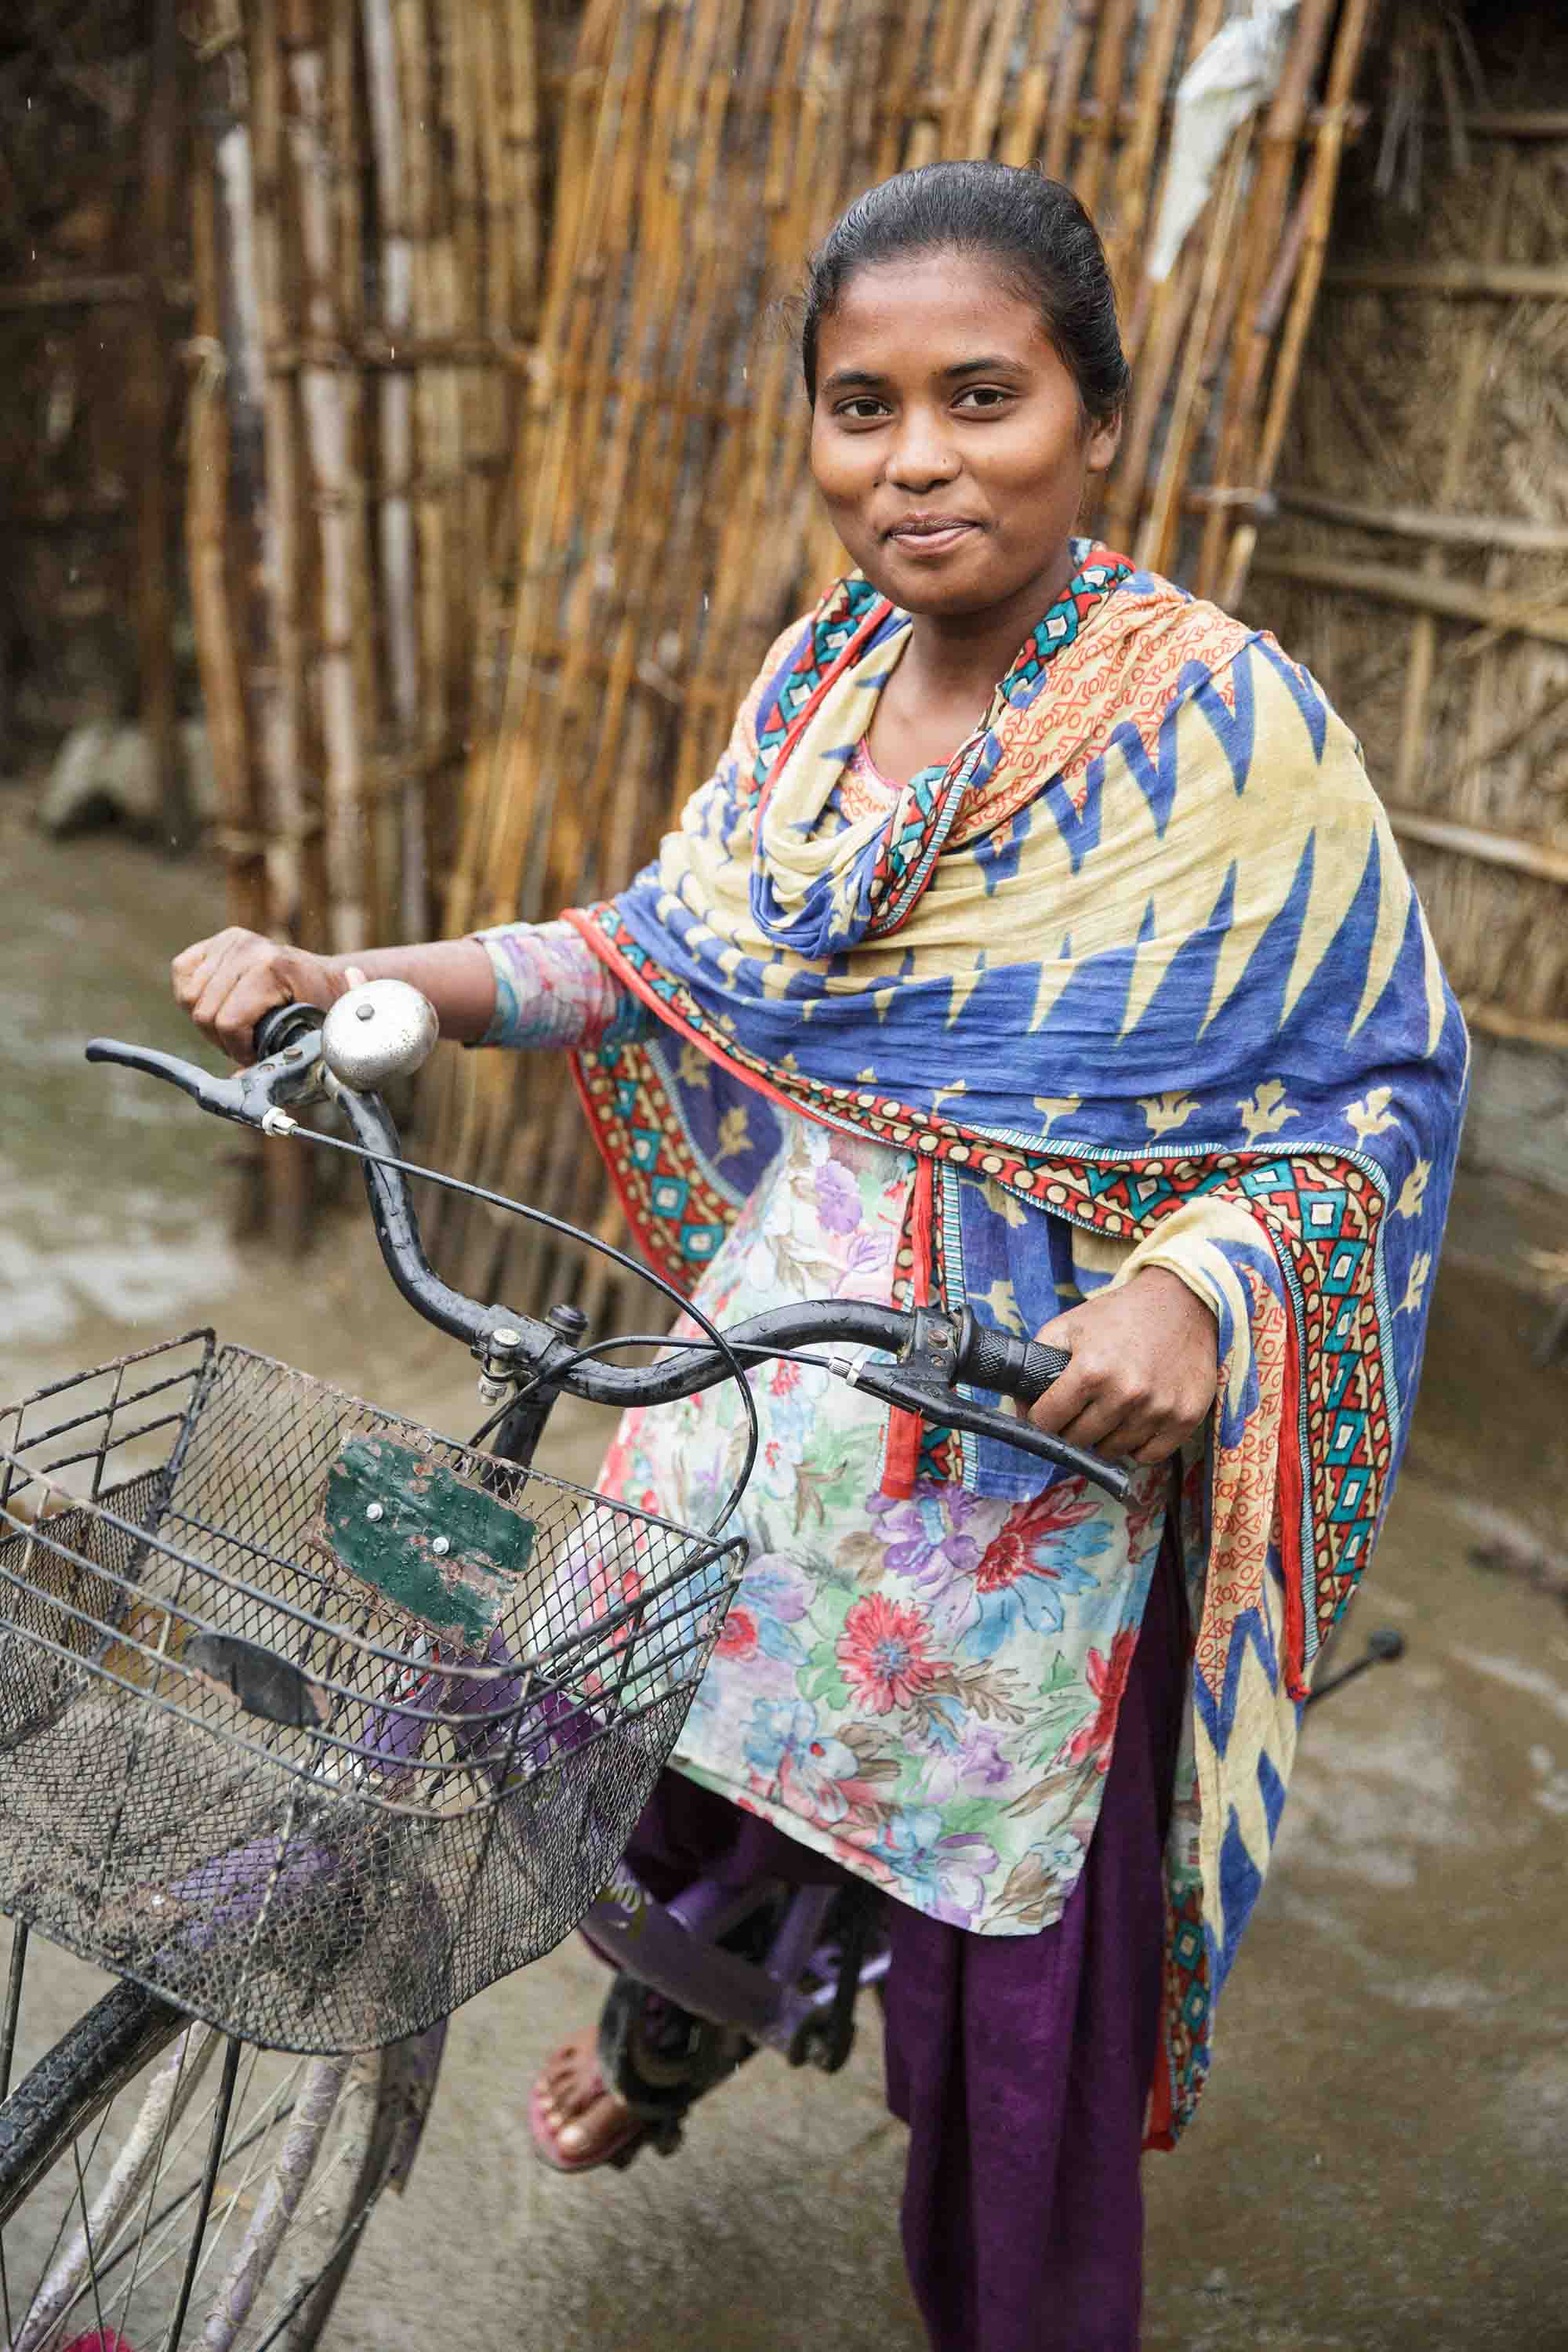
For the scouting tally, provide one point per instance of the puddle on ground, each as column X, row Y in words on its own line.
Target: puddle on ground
column 115, row 1194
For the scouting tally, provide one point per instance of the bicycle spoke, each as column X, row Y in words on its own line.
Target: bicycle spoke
column 13, row 2005
column 60, row 2287
column 236, row 2195
column 156, row 2221
column 225, row 2101
column 87, row 2234
column 302, row 2294
column 294, row 2167
column 44, row 2275
column 192, row 2127
column 157, row 2169
column 158, row 2242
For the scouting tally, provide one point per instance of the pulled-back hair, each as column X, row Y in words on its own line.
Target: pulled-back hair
column 1033, row 231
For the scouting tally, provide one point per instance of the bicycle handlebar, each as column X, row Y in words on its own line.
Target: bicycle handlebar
column 933, row 1351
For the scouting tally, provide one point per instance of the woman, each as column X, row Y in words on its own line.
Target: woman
column 1040, row 944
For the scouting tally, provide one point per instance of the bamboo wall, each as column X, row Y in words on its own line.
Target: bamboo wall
column 666, row 525
column 1416, row 559
column 368, row 228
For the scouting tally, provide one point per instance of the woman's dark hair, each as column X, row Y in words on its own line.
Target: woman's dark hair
column 1032, row 230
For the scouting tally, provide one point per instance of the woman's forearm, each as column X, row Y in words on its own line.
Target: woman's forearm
column 522, row 984
column 228, row 981
column 456, row 975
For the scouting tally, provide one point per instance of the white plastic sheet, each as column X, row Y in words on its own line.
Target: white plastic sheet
column 1234, row 74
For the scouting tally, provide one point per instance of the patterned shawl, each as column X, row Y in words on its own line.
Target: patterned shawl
column 1143, row 955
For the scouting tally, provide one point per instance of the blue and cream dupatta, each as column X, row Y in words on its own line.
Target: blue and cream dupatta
column 1143, row 956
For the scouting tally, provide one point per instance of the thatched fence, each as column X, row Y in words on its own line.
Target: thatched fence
column 1416, row 562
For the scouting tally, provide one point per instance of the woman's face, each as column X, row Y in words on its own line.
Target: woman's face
column 947, row 436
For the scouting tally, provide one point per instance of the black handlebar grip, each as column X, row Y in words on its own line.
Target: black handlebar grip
column 1041, row 1366
column 284, row 1025
column 1015, row 1368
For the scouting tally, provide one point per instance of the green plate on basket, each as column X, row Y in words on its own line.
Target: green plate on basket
column 434, row 1546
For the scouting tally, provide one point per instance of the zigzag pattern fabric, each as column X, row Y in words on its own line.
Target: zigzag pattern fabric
column 1144, row 957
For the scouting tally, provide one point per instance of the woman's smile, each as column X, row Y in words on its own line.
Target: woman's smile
column 925, row 536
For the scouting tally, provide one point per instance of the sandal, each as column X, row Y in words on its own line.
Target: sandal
column 618, row 2149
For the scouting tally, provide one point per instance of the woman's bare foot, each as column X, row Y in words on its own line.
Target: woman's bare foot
column 586, row 2121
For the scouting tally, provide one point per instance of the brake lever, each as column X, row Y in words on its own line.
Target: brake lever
column 254, row 1096
column 935, row 1400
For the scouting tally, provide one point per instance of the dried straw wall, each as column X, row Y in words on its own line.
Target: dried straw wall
column 1416, row 559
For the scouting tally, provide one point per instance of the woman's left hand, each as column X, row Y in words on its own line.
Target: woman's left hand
column 1145, row 1366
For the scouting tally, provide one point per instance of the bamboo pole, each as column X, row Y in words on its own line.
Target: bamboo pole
column 1066, row 86
column 396, row 512
column 991, row 82
column 1323, row 180
column 1154, row 546
column 323, row 407
column 293, row 892
column 1117, row 24
column 1549, row 122
column 1508, row 282
column 1478, row 530
column 1467, row 393
column 1545, row 861
column 154, row 394
column 216, row 596
column 89, row 290
column 1132, row 182
column 1268, row 205
column 1386, row 584
column 1520, row 1028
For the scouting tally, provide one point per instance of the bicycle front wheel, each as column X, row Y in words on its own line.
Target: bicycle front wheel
column 164, row 2186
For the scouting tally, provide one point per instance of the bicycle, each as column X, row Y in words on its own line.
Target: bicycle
column 316, row 1723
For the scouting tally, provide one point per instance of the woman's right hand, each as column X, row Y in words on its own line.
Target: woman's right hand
column 227, row 984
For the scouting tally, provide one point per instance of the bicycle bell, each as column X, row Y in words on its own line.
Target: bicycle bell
column 381, row 1029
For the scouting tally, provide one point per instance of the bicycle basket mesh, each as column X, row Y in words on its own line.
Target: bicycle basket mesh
column 276, row 1744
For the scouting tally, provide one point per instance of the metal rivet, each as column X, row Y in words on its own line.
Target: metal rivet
column 506, row 1338
column 375, row 1511
column 364, row 1013
column 441, row 1546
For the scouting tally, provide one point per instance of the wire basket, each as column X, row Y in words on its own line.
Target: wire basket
column 310, row 1720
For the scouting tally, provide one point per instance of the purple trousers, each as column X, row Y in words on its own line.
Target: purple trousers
column 1021, row 2064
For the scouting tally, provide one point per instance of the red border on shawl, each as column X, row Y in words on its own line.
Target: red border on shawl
column 656, row 1003
column 804, row 715
column 902, row 1458
column 1289, row 1503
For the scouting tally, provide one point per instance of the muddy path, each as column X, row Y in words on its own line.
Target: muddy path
column 1379, row 2162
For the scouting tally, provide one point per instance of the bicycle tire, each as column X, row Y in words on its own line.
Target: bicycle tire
column 66, row 2089
column 368, row 2138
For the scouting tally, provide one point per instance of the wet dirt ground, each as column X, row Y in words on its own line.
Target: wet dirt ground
column 1379, row 2161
